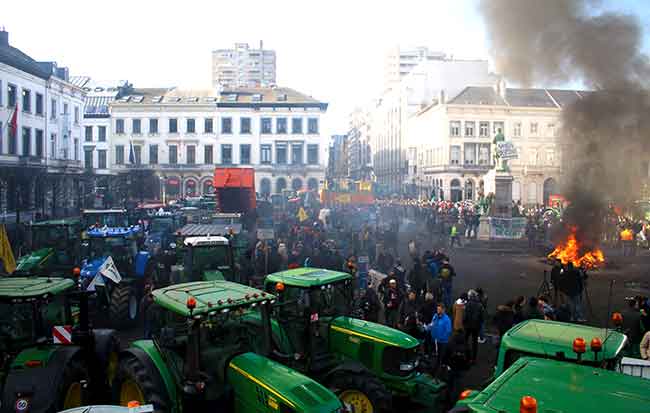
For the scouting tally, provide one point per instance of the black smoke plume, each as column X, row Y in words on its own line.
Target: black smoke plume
column 606, row 133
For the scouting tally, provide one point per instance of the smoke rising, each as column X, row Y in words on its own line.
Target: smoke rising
column 553, row 42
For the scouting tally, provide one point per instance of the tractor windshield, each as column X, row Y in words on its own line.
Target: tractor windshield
column 109, row 219
column 210, row 258
column 162, row 225
column 112, row 246
column 21, row 324
column 330, row 300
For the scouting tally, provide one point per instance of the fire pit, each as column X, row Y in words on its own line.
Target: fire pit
column 573, row 251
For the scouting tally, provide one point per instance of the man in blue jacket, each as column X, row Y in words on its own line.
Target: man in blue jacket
column 440, row 330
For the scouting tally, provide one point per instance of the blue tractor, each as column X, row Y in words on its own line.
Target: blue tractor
column 116, row 268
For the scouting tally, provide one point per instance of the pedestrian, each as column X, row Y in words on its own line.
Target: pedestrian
column 458, row 313
column 573, row 291
column 446, row 275
column 531, row 311
column 370, row 304
column 531, row 233
column 440, row 331
column 454, row 237
column 417, row 278
column 483, row 298
column 504, row 318
column 392, row 301
column 409, row 316
column 472, row 320
column 644, row 346
column 400, row 273
column 556, row 274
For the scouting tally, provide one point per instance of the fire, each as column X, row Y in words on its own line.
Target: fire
column 570, row 251
column 627, row 235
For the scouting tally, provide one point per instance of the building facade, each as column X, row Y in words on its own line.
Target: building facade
column 338, row 161
column 243, row 66
column 170, row 140
column 40, row 130
column 359, row 154
column 455, row 141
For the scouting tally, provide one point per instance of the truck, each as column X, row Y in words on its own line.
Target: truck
column 202, row 357
column 371, row 367
column 50, row 358
column 234, row 190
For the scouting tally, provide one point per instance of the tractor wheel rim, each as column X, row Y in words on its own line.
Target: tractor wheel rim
column 356, row 401
column 133, row 307
column 130, row 392
column 111, row 369
column 72, row 396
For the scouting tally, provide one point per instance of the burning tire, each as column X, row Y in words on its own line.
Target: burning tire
column 361, row 392
column 124, row 307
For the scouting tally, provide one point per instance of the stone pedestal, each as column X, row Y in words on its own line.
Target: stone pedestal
column 484, row 229
column 499, row 183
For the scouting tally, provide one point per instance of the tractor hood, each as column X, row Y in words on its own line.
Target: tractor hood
column 31, row 262
column 372, row 331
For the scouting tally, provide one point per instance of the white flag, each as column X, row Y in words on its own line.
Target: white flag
column 109, row 270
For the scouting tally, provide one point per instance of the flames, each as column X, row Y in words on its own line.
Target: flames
column 571, row 250
column 627, row 235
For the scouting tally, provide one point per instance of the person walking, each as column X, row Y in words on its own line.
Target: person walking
column 370, row 304
column 392, row 300
column 458, row 313
column 446, row 275
column 440, row 330
column 472, row 320
column 409, row 316
column 453, row 234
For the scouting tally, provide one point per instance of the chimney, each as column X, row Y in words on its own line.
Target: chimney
column 500, row 87
column 441, row 97
column 261, row 44
column 4, row 38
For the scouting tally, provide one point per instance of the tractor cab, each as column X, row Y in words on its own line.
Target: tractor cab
column 160, row 231
column 204, row 258
column 209, row 359
column 104, row 218
column 54, row 248
column 598, row 347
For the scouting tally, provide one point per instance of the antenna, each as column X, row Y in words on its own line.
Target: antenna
column 609, row 310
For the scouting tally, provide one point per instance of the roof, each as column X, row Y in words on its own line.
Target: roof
column 516, row 97
column 113, row 232
column 32, row 287
column 307, row 277
column 15, row 58
column 373, row 331
column 210, row 296
column 198, row 230
column 103, row 211
column 552, row 337
column 97, row 105
column 205, row 241
column 57, row 222
column 562, row 388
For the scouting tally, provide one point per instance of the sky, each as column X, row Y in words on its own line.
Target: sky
column 332, row 50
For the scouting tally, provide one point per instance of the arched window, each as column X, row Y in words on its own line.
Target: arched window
column 172, row 187
column 296, row 184
column 190, row 187
column 456, row 191
column 469, row 189
column 208, row 189
column 312, row 184
column 550, row 188
column 265, row 187
column 280, row 185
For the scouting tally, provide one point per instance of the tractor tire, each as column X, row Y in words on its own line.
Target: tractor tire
column 135, row 381
column 124, row 307
column 74, row 388
column 361, row 392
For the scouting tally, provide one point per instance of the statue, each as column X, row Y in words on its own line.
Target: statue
column 497, row 155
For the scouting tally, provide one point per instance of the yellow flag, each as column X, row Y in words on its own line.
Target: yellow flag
column 365, row 186
column 302, row 215
column 6, row 254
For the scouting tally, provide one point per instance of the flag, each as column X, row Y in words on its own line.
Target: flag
column 109, row 270
column 13, row 121
column 6, row 254
column 131, row 153
column 302, row 215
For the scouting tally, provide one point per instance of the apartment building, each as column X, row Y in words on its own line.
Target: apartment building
column 243, row 66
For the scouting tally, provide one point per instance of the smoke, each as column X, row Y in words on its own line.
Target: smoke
column 553, row 42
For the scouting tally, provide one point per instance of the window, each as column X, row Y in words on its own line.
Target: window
column 191, row 154
column 89, row 133
column 550, row 157
column 484, row 129
column 281, row 125
column 207, row 154
column 101, row 159
column 226, row 154
column 296, row 125
column 88, row 159
column 245, row 125
column 173, row 154
column 454, row 128
column 136, row 126
column 484, row 154
column 119, row 154
column 173, row 125
column 65, row 109
column 76, row 115
column 137, row 154
column 267, row 126
column 244, row 154
column 13, row 143
column 52, row 145
column 153, row 126
column 312, row 154
column 265, row 154
column 27, row 100
column 102, row 133
column 281, row 153
column 153, row 154
column 516, row 130
column 533, row 128
column 11, row 95
column 551, row 129
column 497, row 127
column 76, row 149
column 312, row 126
column 470, row 154
column 469, row 129
column 296, row 154
column 53, row 109
column 39, row 104
column 208, row 126
column 226, row 125
column 532, row 157
column 454, row 155
column 39, row 142
column 27, row 140
column 119, row 126
column 191, row 126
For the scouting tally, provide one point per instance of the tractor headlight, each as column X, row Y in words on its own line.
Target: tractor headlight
column 408, row 366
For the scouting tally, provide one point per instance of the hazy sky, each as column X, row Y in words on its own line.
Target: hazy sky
column 332, row 50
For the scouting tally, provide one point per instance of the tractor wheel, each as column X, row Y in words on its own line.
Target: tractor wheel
column 74, row 386
column 361, row 392
column 135, row 381
column 124, row 306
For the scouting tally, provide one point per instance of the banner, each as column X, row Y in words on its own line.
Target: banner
column 506, row 151
column 507, row 228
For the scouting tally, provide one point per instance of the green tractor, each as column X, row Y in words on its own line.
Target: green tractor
column 541, row 385
column 370, row 367
column 555, row 339
column 202, row 356
column 50, row 359
column 54, row 248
